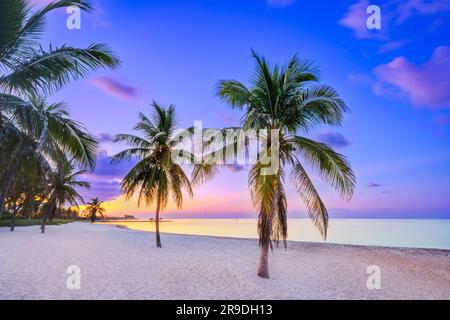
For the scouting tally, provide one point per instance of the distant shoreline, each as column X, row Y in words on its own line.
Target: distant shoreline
column 290, row 242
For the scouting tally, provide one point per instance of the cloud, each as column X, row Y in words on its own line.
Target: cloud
column 280, row 3
column 116, row 88
column 373, row 185
column 104, row 190
column 426, row 85
column 333, row 139
column 105, row 137
column 97, row 14
column 236, row 168
column 409, row 8
column 106, row 178
column 356, row 20
column 393, row 12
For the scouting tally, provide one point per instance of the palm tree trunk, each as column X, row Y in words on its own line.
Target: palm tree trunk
column 263, row 269
column 47, row 213
column 44, row 221
column 93, row 215
column 13, row 221
column 9, row 176
column 158, row 237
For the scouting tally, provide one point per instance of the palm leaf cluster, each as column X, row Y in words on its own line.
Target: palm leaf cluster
column 94, row 208
column 43, row 151
column 27, row 68
column 41, row 139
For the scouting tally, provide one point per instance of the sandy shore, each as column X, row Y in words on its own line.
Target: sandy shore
column 123, row 264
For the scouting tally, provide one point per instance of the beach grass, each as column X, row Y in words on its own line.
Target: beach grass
column 31, row 222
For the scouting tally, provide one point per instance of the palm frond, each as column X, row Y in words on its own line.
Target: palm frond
column 313, row 203
column 331, row 165
column 47, row 71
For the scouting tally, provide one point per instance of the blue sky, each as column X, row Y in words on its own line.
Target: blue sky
column 396, row 81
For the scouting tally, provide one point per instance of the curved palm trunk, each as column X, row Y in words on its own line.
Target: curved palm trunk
column 8, row 179
column 13, row 221
column 52, row 209
column 158, row 237
column 44, row 221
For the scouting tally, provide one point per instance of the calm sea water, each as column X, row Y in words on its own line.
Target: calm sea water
column 417, row 233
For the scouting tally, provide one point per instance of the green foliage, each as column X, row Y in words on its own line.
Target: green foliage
column 155, row 176
column 291, row 100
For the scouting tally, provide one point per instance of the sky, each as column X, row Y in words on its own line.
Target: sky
column 396, row 82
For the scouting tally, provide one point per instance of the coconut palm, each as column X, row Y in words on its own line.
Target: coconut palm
column 41, row 130
column 93, row 208
column 29, row 182
column 63, row 183
column 26, row 68
column 290, row 100
column 156, row 175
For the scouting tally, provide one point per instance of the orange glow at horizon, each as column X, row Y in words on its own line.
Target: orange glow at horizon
column 205, row 202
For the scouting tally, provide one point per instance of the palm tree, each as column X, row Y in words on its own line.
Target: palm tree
column 290, row 100
column 156, row 175
column 62, row 188
column 26, row 68
column 41, row 130
column 29, row 181
column 93, row 208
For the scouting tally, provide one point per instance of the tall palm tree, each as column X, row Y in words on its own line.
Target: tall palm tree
column 290, row 100
column 156, row 175
column 93, row 208
column 26, row 68
column 63, row 183
column 41, row 130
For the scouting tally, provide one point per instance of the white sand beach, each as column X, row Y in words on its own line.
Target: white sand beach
column 124, row 264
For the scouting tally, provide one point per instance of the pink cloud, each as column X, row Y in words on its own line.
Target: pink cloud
column 426, row 85
column 116, row 88
column 356, row 19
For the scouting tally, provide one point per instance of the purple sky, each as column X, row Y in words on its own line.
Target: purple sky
column 396, row 82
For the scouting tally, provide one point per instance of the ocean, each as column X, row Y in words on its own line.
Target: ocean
column 414, row 233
